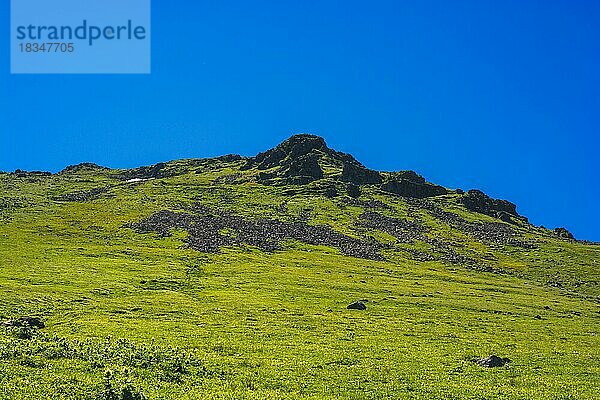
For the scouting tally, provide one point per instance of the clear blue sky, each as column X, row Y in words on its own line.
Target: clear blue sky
column 500, row 96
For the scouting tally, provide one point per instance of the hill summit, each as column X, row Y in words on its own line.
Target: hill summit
column 306, row 158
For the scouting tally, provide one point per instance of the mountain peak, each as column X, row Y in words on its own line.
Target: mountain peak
column 303, row 142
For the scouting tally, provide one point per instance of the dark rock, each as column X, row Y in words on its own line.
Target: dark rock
column 406, row 188
column 304, row 166
column 359, row 175
column 353, row 190
column 229, row 158
column 294, row 147
column 493, row 361
column 459, row 191
column 411, row 176
column 504, row 216
column 330, row 192
column 564, row 233
column 300, row 159
column 295, row 161
column 155, row 171
column 357, row 305
column 546, row 307
column 31, row 322
column 538, row 316
column 19, row 173
column 86, row 166
column 476, row 200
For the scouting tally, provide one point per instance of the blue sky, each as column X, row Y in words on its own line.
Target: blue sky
column 500, row 96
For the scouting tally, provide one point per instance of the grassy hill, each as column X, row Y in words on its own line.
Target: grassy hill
column 230, row 277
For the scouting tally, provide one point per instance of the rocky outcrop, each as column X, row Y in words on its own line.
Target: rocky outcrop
column 301, row 159
column 411, row 184
column 305, row 167
column 356, row 173
column 563, row 233
column 86, row 166
column 155, row 171
column 19, row 173
column 476, row 200
column 295, row 161
column 411, row 176
column 227, row 158
column 407, row 188
column 287, row 151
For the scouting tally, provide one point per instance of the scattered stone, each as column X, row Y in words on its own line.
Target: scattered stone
column 485, row 232
column 84, row 195
column 206, row 232
column 404, row 230
column 357, row 305
column 493, row 361
column 538, row 316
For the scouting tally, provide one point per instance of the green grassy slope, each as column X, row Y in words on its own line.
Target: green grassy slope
column 135, row 312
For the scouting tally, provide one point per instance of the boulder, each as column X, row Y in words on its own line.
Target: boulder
column 493, row 361
column 357, row 305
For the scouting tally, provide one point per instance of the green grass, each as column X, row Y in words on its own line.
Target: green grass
column 139, row 312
